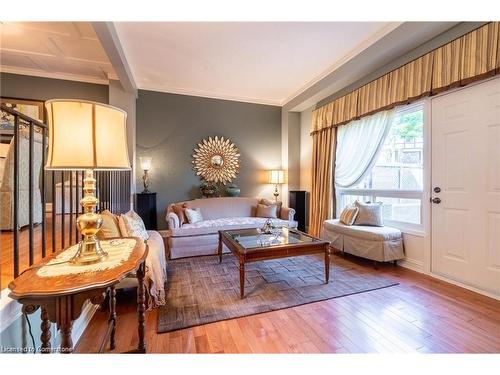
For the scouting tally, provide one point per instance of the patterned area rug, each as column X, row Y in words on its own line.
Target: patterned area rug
column 200, row 290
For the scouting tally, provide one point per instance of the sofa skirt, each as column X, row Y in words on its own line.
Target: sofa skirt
column 381, row 251
column 188, row 246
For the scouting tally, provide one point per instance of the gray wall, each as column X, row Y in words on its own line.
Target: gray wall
column 169, row 126
column 39, row 88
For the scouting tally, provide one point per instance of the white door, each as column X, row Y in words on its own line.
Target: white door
column 466, row 167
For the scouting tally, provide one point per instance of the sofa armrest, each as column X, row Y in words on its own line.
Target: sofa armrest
column 287, row 213
column 173, row 220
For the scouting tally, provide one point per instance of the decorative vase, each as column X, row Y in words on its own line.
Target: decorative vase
column 232, row 190
column 209, row 190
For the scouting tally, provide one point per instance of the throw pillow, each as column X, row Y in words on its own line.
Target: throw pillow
column 131, row 225
column 179, row 211
column 110, row 227
column 193, row 215
column 269, row 202
column 369, row 214
column 267, row 211
column 349, row 214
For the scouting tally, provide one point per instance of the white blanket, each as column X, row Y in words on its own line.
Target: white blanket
column 156, row 269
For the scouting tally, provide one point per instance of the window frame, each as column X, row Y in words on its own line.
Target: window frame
column 374, row 194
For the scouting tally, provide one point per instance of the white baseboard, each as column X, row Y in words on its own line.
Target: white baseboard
column 465, row 286
column 10, row 311
column 412, row 264
column 83, row 321
column 418, row 266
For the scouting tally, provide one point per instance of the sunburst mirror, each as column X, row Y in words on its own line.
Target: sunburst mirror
column 216, row 160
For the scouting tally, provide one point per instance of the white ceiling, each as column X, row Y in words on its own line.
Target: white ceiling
column 67, row 50
column 261, row 62
column 257, row 62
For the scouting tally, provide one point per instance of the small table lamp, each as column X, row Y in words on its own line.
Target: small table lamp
column 145, row 166
column 276, row 177
column 87, row 136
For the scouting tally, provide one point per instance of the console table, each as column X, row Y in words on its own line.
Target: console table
column 61, row 298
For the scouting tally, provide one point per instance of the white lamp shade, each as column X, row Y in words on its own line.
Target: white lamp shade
column 145, row 162
column 277, row 177
column 86, row 135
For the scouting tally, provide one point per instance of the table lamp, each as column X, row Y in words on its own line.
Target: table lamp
column 276, row 177
column 145, row 162
column 87, row 136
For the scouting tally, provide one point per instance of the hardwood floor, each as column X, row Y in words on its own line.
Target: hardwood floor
column 421, row 314
column 7, row 245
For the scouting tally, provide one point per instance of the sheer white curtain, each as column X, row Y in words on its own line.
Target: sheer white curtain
column 358, row 146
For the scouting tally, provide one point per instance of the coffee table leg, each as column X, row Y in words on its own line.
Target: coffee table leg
column 220, row 248
column 242, row 278
column 327, row 265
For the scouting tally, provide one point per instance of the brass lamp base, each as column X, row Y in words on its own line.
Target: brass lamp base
column 89, row 252
column 276, row 193
column 89, row 249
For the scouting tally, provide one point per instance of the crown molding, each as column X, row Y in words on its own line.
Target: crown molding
column 210, row 95
column 352, row 53
column 64, row 76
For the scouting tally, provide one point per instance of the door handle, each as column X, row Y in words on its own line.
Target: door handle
column 436, row 200
column 437, row 189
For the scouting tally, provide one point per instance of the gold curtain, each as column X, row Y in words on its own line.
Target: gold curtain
column 322, row 206
column 479, row 53
column 446, row 67
column 473, row 56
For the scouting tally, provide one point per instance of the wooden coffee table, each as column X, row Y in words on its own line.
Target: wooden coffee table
column 248, row 245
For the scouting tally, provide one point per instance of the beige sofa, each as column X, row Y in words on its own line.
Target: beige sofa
column 219, row 214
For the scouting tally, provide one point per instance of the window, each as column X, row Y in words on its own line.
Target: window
column 396, row 178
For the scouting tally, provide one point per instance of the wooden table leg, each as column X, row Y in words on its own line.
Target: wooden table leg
column 141, row 307
column 220, row 248
column 327, row 265
column 112, row 316
column 45, row 336
column 242, row 278
column 66, row 341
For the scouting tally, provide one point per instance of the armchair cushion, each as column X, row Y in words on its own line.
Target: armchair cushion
column 131, row 225
column 110, row 227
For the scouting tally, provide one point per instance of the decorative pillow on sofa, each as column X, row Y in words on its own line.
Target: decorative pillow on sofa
column 268, row 202
column 369, row 214
column 179, row 210
column 349, row 214
column 131, row 225
column 110, row 226
column 267, row 211
column 193, row 215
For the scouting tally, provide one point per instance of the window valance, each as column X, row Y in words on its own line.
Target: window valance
column 473, row 56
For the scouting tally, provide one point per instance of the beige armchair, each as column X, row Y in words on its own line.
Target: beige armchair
column 7, row 183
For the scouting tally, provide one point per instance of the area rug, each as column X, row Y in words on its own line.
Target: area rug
column 201, row 290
